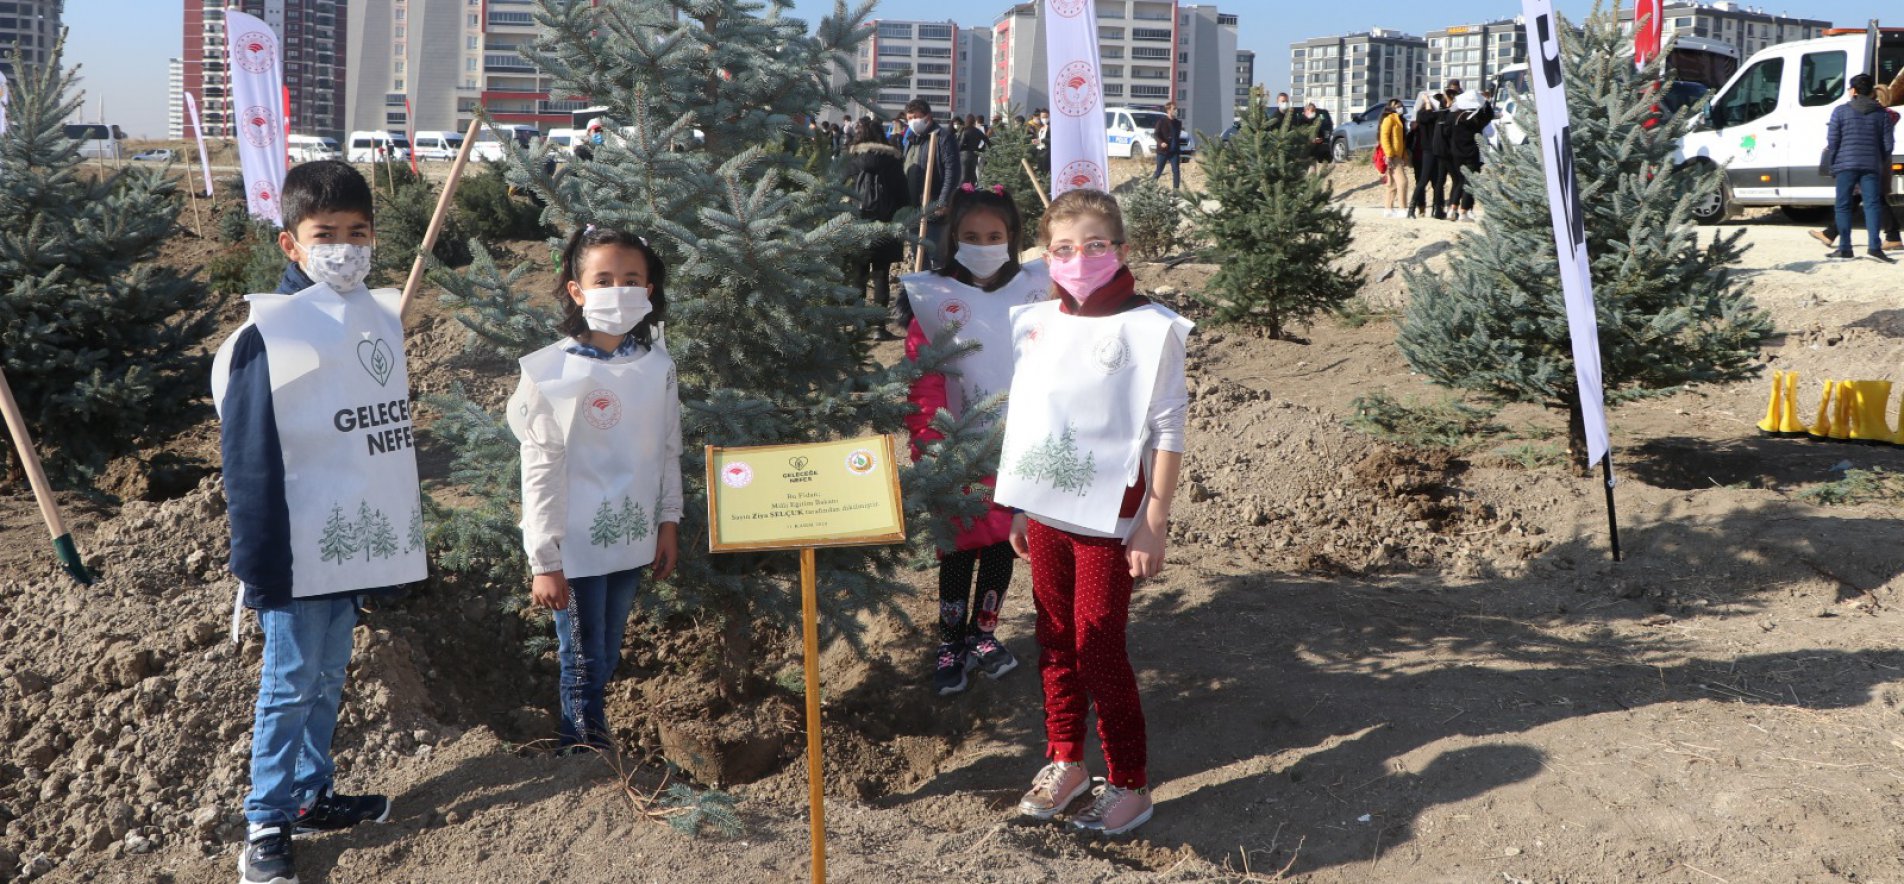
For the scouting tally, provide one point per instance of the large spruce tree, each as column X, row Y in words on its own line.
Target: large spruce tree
column 770, row 344
column 1671, row 312
column 97, row 339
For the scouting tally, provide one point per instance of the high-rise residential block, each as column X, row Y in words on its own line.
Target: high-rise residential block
column 311, row 33
column 1475, row 53
column 972, row 87
column 1345, row 75
column 1747, row 29
column 1245, row 79
column 28, row 30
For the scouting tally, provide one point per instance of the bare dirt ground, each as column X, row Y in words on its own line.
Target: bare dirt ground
column 1364, row 663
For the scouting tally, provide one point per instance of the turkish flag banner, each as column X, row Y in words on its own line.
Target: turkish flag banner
column 1648, row 26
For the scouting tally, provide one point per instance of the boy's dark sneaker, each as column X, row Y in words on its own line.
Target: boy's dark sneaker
column 991, row 659
column 1880, row 257
column 332, row 811
column 948, row 674
column 267, row 858
column 1839, row 256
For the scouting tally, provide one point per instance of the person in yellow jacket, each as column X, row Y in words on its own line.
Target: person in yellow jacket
column 1394, row 140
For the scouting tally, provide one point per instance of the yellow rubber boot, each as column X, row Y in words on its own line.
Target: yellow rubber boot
column 1788, row 408
column 1821, row 428
column 1868, row 423
column 1841, row 412
column 1772, row 410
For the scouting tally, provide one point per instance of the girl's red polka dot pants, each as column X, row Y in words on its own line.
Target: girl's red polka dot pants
column 1082, row 588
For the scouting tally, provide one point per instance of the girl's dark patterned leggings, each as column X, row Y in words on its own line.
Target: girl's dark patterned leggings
column 965, row 612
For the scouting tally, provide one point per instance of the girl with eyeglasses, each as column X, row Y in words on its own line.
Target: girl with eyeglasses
column 1093, row 448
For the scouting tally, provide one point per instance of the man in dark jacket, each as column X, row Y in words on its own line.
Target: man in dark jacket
column 1461, row 128
column 920, row 151
column 1321, row 129
column 1167, row 133
column 1858, row 149
column 1428, row 125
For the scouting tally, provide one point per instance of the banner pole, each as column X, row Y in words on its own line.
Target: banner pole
column 1612, row 517
column 925, row 199
column 191, row 187
column 443, row 202
column 42, row 490
column 1036, row 188
column 816, row 783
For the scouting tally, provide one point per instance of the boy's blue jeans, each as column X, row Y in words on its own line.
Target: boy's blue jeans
column 1850, row 183
column 603, row 604
column 306, row 650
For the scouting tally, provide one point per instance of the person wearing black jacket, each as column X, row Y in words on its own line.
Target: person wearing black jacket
column 918, row 151
column 1168, row 133
column 1428, row 125
column 1462, row 128
column 972, row 142
column 878, row 180
column 1321, row 129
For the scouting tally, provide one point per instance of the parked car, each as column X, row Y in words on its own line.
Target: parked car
column 1361, row 133
column 1766, row 126
column 1127, row 132
column 155, row 155
column 311, row 148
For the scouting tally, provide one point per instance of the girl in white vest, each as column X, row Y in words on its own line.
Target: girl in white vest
column 970, row 299
column 600, row 423
column 1093, row 448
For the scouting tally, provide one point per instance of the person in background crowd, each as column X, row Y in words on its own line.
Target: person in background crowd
column 1889, row 96
column 920, row 151
column 1433, row 167
column 1279, row 115
column 877, row 175
column 1858, row 147
column 972, row 143
column 1394, row 140
column 1464, row 126
column 1321, row 128
column 1418, row 151
column 1169, row 137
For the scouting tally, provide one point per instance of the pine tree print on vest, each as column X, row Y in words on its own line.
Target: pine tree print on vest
column 634, row 522
column 606, row 529
column 415, row 541
column 339, row 540
column 1055, row 462
column 375, row 536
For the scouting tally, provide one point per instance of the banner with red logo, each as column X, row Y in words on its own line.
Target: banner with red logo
column 198, row 131
column 256, row 67
column 1648, row 28
column 1079, row 158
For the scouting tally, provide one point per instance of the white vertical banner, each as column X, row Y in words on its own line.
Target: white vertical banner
column 5, row 96
column 1570, row 233
column 1078, row 155
column 198, row 130
column 257, row 96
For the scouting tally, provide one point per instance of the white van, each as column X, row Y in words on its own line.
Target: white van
column 1127, row 132
column 97, row 141
column 311, row 148
column 489, row 149
column 429, row 145
column 1766, row 127
column 371, row 147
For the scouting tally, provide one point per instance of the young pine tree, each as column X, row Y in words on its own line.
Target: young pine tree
column 1008, row 149
column 99, row 342
column 770, row 345
column 1276, row 233
column 1671, row 313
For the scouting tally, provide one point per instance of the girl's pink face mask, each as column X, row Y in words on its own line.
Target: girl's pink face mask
column 1084, row 275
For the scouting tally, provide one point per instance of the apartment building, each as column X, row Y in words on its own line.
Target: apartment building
column 932, row 58
column 1245, row 79
column 1747, row 28
column 972, row 87
column 1474, row 53
column 1153, row 51
column 311, row 33
column 428, row 52
column 510, row 87
column 28, row 30
column 1345, row 75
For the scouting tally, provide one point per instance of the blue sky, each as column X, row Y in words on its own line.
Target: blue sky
column 123, row 44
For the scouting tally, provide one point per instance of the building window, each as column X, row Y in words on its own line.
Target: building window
column 895, row 31
column 1109, row 33
column 896, row 51
column 933, row 52
column 935, row 32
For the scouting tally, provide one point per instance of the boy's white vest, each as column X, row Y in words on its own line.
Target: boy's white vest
column 1081, row 393
column 613, row 419
column 340, row 392
column 976, row 316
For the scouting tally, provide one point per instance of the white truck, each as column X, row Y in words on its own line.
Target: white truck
column 1698, row 64
column 1766, row 126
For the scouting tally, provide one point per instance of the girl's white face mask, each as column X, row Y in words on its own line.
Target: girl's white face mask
column 342, row 266
column 983, row 261
column 615, row 311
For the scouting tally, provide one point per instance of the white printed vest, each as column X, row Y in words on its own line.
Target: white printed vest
column 613, row 418
column 975, row 316
column 1079, row 425
column 340, row 393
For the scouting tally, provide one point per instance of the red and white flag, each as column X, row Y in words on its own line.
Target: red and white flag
column 409, row 135
column 198, row 131
column 1079, row 158
column 256, row 67
column 1648, row 29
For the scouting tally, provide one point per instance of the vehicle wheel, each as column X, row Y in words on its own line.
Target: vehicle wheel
column 1714, row 207
column 1339, row 150
column 1137, row 151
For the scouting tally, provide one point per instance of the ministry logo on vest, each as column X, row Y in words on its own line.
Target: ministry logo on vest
column 1110, row 354
column 256, row 52
column 602, row 409
column 1074, row 91
column 953, row 311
